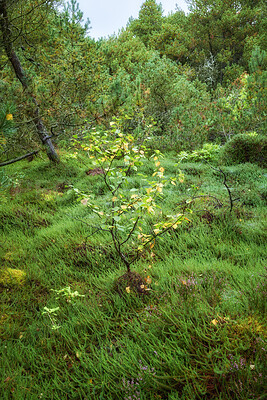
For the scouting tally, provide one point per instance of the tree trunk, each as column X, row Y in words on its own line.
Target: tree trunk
column 20, row 74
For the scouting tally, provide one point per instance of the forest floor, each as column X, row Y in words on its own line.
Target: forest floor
column 68, row 331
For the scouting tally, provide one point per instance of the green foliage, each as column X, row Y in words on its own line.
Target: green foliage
column 246, row 147
column 149, row 21
column 150, row 71
column 242, row 106
column 7, row 182
column 179, row 107
column 221, row 31
column 199, row 333
column 209, row 152
column 69, row 296
column 7, row 128
column 256, row 87
column 126, row 52
column 173, row 39
column 127, row 206
column 68, row 93
column 73, row 14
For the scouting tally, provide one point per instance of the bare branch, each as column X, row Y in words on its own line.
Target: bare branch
column 19, row 158
column 131, row 232
column 225, row 184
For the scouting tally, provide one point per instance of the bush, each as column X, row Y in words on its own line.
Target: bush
column 209, row 152
column 247, row 147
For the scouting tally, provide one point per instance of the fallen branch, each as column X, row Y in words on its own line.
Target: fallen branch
column 19, row 158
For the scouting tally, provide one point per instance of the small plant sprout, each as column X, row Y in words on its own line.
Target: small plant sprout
column 67, row 293
column 52, row 314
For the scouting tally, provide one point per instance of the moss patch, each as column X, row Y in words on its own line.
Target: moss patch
column 11, row 277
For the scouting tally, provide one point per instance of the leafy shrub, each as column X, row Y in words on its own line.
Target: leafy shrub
column 126, row 208
column 247, row 147
column 209, row 152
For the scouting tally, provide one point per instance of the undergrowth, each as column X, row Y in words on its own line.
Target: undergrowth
column 67, row 332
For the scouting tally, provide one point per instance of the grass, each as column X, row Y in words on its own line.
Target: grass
column 198, row 334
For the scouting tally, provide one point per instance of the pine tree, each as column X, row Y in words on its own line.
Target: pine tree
column 7, row 43
column 149, row 21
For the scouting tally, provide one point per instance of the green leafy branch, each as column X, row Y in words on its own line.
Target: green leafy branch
column 124, row 217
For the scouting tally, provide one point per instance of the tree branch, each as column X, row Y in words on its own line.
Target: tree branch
column 225, row 184
column 19, row 158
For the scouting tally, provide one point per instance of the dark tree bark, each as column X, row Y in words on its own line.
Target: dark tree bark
column 28, row 155
column 20, row 74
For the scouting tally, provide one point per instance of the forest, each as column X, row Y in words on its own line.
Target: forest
column 133, row 203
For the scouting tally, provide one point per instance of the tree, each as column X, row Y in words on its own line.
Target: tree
column 221, row 30
column 8, row 39
column 74, row 49
column 129, row 215
column 179, row 107
column 173, row 39
column 73, row 75
column 148, row 22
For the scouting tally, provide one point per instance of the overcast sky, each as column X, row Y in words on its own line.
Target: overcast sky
column 108, row 16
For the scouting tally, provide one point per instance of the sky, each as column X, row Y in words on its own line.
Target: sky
column 108, row 16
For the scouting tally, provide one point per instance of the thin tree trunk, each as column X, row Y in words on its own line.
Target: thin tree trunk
column 20, row 74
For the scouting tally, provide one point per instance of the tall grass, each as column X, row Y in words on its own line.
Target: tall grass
column 198, row 334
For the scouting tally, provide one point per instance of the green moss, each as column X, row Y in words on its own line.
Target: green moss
column 244, row 148
column 12, row 277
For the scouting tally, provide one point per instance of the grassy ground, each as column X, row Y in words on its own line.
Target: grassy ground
column 66, row 332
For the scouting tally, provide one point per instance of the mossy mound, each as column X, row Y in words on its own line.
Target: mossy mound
column 130, row 282
column 12, row 277
column 245, row 148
